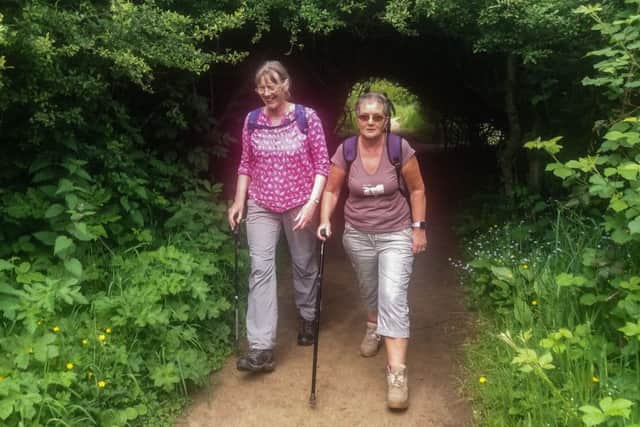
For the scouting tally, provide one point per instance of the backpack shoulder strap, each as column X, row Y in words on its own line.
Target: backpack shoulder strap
column 252, row 123
column 350, row 150
column 301, row 118
column 394, row 152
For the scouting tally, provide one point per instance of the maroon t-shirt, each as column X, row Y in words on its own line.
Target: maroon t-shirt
column 375, row 204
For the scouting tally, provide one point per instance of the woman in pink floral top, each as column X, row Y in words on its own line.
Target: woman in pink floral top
column 282, row 170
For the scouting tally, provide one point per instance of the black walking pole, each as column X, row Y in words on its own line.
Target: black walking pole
column 316, row 332
column 236, row 237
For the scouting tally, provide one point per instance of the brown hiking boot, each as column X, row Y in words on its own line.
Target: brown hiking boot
column 371, row 342
column 397, row 387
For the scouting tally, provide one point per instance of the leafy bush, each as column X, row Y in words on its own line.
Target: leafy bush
column 409, row 113
column 566, row 297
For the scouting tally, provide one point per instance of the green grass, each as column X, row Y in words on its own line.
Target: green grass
column 550, row 301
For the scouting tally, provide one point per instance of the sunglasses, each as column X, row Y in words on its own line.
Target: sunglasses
column 376, row 118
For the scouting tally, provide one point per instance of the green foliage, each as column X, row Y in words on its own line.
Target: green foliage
column 115, row 262
column 579, row 294
column 409, row 114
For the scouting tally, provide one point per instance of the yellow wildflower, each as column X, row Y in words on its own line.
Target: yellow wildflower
column 102, row 338
column 85, row 341
column 1, row 378
column 40, row 322
column 595, row 379
column 482, row 379
column 56, row 328
column 534, row 302
column 525, row 266
column 102, row 383
column 69, row 365
column 108, row 330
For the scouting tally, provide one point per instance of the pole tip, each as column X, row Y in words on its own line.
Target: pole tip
column 312, row 400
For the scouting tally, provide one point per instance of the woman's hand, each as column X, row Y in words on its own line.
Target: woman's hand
column 326, row 227
column 305, row 215
column 419, row 239
column 234, row 214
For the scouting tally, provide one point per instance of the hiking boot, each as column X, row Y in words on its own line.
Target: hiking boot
column 371, row 342
column 397, row 387
column 256, row 361
column 306, row 331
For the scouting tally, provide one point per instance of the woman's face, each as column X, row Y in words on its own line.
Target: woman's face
column 272, row 92
column 371, row 119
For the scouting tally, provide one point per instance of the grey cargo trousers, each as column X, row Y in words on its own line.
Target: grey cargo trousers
column 263, row 232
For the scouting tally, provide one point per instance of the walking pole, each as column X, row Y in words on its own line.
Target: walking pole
column 236, row 237
column 316, row 332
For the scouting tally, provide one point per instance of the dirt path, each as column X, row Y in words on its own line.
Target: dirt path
column 351, row 389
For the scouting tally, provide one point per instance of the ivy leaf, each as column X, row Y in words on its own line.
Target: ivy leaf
column 46, row 237
column 6, row 407
column 634, row 226
column 631, row 329
column 588, row 299
column 616, row 408
column 502, row 273
column 73, row 266
column 592, row 415
column 566, row 279
column 64, row 186
column 614, row 135
column 54, row 210
column 618, row 204
column 80, row 232
column 63, row 244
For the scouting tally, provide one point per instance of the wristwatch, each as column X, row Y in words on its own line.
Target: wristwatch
column 419, row 224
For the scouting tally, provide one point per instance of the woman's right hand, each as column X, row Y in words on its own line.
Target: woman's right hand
column 234, row 214
column 326, row 227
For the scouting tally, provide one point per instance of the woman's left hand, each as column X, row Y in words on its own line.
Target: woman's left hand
column 305, row 215
column 419, row 239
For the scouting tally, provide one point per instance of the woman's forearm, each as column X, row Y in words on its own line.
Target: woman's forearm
column 241, row 189
column 318, row 185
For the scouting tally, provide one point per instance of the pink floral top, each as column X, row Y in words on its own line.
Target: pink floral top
column 282, row 162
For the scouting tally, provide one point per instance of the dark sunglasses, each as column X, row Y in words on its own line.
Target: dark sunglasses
column 377, row 118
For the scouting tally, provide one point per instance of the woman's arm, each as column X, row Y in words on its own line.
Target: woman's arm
column 330, row 199
column 234, row 214
column 415, row 185
column 305, row 215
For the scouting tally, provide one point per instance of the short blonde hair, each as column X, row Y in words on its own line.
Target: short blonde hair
column 274, row 72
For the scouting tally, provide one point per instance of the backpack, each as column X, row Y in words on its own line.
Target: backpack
column 394, row 153
column 300, row 117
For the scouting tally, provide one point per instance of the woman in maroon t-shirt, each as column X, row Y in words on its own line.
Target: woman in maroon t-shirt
column 383, row 231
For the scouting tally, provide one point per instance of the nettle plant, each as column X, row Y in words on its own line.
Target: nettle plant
column 608, row 180
column 606, row 183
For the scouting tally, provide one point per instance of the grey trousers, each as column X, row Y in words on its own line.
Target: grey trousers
column 383, row 263
column 263, row 232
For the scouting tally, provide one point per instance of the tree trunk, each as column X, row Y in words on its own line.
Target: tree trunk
column 507, row 155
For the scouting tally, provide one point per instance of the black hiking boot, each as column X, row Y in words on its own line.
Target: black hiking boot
column 306, row 331
column 256, row 361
